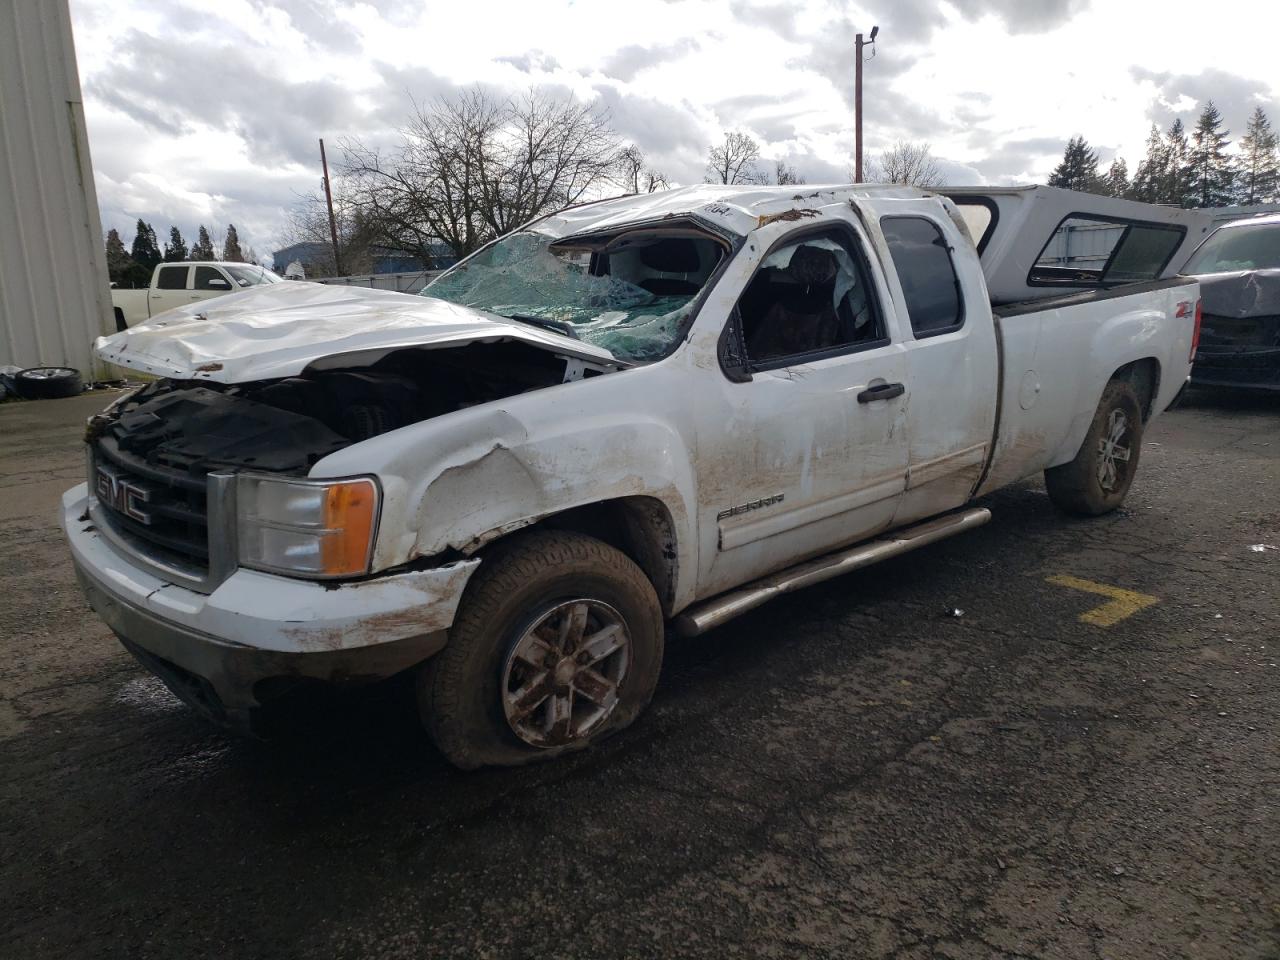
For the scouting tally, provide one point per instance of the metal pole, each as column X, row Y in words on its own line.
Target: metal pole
column 857, row 110
column 333, row 223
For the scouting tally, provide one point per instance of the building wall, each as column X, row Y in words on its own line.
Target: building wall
column 412, row 282
column 54, row 296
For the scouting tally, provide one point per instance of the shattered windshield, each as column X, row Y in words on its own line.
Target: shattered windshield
column 630, row 295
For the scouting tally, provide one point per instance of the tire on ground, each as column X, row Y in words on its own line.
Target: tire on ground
column 460, row 696
column 1076, row 487
column 48, row 383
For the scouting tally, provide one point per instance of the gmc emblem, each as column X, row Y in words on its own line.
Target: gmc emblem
column 123, row 495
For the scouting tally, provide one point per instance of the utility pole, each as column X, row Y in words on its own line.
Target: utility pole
column 333, row 223
column 858, row 44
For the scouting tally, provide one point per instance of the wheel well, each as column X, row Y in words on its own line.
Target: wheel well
column 640, row 527
column 1144, row 376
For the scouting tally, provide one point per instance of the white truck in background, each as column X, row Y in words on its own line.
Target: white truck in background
column 648, row 411
column 181, row 284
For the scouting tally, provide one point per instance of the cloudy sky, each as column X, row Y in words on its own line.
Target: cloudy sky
column 208, row 111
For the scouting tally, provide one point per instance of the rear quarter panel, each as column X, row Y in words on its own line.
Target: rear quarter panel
column 133, row 303
column 1057, row 361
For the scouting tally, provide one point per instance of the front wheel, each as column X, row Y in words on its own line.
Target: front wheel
column 557, row 644
column 1096, row 481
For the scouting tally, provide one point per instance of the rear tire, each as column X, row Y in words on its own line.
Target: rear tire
column 1099, row 477
column 48, row 383
column 557, row 644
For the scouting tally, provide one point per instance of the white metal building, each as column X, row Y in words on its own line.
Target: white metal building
column 54, row 297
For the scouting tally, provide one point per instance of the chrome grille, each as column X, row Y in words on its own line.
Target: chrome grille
column 163, row 516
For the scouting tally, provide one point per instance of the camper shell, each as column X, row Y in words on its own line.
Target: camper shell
column 1094, row 242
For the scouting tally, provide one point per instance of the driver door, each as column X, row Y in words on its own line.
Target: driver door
column 803, row 448
column 210, row 282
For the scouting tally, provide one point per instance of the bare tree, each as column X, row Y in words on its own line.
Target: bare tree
column 472, row 167
column 784, row 174
column 734, row 161
column 550, row 152
column 634, row 175
column 308, row 222
column 655, row 180
column 906, row 162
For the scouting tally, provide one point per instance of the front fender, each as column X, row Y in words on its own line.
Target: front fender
column 464, row 479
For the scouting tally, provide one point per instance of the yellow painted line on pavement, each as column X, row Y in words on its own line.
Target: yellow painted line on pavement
column 1123, row 603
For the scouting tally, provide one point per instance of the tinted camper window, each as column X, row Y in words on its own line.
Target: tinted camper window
column 1090, row 251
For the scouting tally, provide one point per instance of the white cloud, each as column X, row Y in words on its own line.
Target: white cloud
column 207, row 111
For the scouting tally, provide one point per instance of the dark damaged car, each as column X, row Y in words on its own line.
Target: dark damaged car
column 1238, row 267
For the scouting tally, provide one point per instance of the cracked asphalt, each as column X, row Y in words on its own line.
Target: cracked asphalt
column 847, row 772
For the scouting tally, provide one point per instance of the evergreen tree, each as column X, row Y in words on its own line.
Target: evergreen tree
column 1209, row 170
column 1174, row 186
column 119, row 263
column 231, row 247
column 1078, row 169
column 1116, row 182
column 145, row 250
column 202, row 249
column 175, row 251
column 1258, row 180
column 1148, row 182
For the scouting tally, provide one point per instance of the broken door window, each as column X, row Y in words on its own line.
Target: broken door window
column 809, row 297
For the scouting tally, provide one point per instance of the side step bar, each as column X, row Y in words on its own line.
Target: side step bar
column 703, row 616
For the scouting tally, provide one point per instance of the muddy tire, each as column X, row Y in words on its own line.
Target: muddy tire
column 557, row 644
column 1096, row 481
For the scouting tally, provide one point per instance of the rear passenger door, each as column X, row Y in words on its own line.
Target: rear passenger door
column 952, row 363
column 169, row 289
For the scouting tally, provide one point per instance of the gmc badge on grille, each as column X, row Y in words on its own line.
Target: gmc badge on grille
column 123, row 495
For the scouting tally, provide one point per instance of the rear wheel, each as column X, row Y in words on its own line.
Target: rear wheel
column 557, row 644
column 1099, row 477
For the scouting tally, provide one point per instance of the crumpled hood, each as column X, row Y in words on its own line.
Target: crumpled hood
column 279, row 329
column 1253, row 293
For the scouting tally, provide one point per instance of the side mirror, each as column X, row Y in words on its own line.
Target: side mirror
column 217, row 283
column 732, row 351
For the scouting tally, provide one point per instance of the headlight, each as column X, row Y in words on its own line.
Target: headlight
column 310, row 528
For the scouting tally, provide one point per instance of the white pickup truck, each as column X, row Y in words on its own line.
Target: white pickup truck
column 639, row 412
column 181, row 284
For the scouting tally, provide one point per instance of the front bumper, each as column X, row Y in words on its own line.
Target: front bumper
column 256, row 635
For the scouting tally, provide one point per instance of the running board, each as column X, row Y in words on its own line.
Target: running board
column 703, row 616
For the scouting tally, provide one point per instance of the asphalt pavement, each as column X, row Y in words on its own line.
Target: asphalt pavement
column 1048, row 738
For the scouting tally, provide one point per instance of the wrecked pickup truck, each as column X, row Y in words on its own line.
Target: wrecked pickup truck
column 645, row 411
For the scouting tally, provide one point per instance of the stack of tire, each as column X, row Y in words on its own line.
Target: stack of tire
column 46, row 383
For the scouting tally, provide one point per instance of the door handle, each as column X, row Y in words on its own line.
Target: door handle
column 881, row 391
